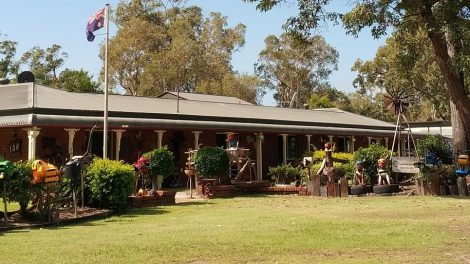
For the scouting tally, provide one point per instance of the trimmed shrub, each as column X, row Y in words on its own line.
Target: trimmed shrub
column 161, row 161
column 285, row 173
column 370, row 156
column 211, row 162
column 109, row 183
column 19, row 185
column 342, row 157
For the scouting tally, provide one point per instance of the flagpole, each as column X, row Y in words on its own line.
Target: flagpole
column 105, row 117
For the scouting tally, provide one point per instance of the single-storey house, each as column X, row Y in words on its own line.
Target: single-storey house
column 42, row 122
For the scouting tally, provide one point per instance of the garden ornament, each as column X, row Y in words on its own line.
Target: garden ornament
column 44, row 172
column 463, row 165
column 359, row 174
column 382, row 171
column 326, row 167
column 232, row 141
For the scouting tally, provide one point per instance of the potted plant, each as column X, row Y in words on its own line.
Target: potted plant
column 160, row 165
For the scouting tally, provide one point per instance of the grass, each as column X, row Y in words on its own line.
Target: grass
column 10, row 207
column 271, row 229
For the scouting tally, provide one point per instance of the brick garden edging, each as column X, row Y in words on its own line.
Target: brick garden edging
column 285, row 190
column 99, row 214
column 161, row 197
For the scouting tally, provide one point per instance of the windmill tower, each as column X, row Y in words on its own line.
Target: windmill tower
column 398, row 102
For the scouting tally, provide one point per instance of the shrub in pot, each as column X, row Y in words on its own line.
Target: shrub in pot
column 161, row 165
column 109, row 183
column 212, row 162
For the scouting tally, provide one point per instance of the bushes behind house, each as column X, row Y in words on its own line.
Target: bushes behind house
column 109, row 183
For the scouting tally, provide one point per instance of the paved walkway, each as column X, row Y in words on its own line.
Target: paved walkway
column 184, row 197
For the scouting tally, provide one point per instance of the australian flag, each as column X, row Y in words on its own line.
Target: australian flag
column 94, row 23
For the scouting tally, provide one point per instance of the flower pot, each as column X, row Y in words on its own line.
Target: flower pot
column 159, row 181
column 189, row 172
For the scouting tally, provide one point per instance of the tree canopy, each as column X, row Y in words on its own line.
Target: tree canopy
column 8, row 64
column 160, row 46
column 406, row 62
column 445, row 24
column 296, row 69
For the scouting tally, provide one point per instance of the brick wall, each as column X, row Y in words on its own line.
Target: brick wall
column 6, row 138
column 134, row 140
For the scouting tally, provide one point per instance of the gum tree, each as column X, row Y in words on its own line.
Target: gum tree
column 445, row 22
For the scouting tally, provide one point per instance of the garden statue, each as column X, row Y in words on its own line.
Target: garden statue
column 382, row 171
column 326, row 167
column 359, row 174
column 232, row 141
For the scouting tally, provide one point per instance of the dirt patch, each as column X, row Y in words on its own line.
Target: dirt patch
column 61, row 216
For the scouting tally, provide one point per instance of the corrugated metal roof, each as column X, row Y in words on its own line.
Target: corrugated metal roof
column 203, row 98
column 16, row 120
column 55, row 103
column 196, row 124
column 16, row 96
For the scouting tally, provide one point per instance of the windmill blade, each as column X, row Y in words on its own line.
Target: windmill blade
column 391, row 106
column 387, row 100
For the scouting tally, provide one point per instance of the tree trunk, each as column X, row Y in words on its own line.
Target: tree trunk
column 459, row 101
column 458, row 129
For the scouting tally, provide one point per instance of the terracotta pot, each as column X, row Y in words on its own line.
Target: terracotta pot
column 189, row 172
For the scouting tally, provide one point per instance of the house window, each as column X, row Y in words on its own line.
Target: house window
column 343, row 144
column 291, row 147
column 377, row 141
column 220, row 140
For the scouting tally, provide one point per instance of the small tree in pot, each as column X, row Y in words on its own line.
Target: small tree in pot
column 160, row 165
column 212, row 162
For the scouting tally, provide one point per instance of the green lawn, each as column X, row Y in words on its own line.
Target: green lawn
column 272, row 229
column 10, row 206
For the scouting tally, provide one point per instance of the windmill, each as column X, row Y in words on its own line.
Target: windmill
column 398, row 103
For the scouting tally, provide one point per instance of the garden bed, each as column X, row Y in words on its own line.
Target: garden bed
column 62, row 216
column 251, row 187
column 285, row 190
column 219, row 191
column 161, row 197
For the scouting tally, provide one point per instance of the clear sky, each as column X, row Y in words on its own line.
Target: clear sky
column 46, row 22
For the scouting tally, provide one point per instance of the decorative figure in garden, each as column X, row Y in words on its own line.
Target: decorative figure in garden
column 359, row 174
column 382, row 172
column 232, row 141
column 326, row 167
